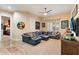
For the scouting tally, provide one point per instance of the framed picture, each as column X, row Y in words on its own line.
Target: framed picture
column 21, row 25
column 43, row 24
column 75, row 11
column 64, row 24
column 37, row 25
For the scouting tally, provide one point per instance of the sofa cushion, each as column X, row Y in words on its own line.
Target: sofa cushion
column 36, row 38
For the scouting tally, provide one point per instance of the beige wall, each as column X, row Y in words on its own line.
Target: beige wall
column 62, row 16
column 29, row 21
column 16, row 17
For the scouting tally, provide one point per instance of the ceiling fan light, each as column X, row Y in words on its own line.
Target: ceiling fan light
column 9, row 7
column 45, row 14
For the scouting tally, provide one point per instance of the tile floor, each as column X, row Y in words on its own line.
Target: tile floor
column 50, row 47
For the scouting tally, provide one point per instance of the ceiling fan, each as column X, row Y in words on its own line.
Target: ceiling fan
column 45, row 12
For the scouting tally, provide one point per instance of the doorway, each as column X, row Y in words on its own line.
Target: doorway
column 5, row 27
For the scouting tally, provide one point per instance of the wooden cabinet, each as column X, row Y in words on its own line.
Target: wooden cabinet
column 69, row 47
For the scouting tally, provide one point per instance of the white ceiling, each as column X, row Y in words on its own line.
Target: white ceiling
column 37, row 8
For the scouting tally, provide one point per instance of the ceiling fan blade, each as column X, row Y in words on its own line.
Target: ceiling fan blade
column 49, row 11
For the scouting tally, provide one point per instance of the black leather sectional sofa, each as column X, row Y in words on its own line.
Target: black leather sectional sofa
column 35, row 38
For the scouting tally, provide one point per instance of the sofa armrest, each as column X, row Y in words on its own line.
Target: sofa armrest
column 24, row 37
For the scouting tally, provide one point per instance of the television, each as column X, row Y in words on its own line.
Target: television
column 76, row 26
column 73, row 24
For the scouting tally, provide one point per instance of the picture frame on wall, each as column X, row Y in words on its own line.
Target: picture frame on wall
column 43, row 24
column 75, row 11
column 21, row 25
column 64, row 24
column 37, row 25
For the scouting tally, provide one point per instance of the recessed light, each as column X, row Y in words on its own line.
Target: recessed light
column 9, row 7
